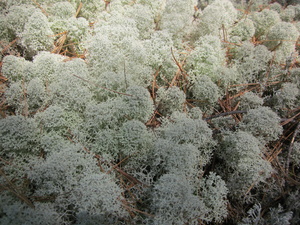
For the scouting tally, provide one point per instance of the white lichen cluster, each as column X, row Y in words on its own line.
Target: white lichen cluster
column 243, row 161
column 251, row 61
column 170, row 100
column 112, row 110
column 263, row 123
column 207, row 57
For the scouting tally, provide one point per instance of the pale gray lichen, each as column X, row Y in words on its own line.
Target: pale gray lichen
column 281, row 38
column 60, row 172
column 179, row 158
column 115, row 47
column 138, row 105
column 91, row 8
column 217, row 16
column 250, row 100
column 14, row 68
column 63, row 9
column 112, row 113
column 144, row 17
column 214, row 195
column 181, row 129
column 37, row 34
column 286, row 97
column 134, row 139
column 18, row 213
column 207, row 57
column 5, row 34
column 98, row 194
column 264, row 20
column 14, row 95
column 174, row 202
column 288, row 14
column 18, row 135
column 158, row 47
column 69, row 91
column 251, row 61
column 37, row 96
column 205, row 92
column 295, row 155
column 46, row 66
column 263, row 123
column 183, row 12
column 170, row 100
column 66, row 175
column 57, row 119
column 276, row 7
column 254, row 216
column 17, row 17
column 244, row 164
column 71, row 111
column 279, row 216
column 244, row 29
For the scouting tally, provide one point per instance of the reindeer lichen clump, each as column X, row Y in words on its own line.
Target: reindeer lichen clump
column 149, row 112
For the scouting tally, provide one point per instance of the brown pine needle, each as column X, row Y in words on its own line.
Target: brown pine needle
column 177, row 63
column 8, row 46
column 129, row 177
column 136, row 210
column 59, row 44
column 225, row 114
column 154, row 85
column 78, row 9
column 291, row 148
column 41, row 8
column 14, row 190
column 289, row 120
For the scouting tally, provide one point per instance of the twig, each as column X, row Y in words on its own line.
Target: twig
column 13, row 189
column 224, row 33
column 179, row 67
column 154, row 82
column 176, row 79
column 107, row 2
column 242, row 93
column 25, row 110
column 115, row 166
column 177, row 63
column 239, row 85
column 8, row 46
column 291, row 148
column 286, row 121
column 136, row 210
column 78, row 9
column 41, row 8
column 129, row 177
column 5, row 161
column 59, row 44
column 277, row 46
column 225, row 114
column 126, row 84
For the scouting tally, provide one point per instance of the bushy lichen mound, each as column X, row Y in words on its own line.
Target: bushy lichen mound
column 149, row 112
